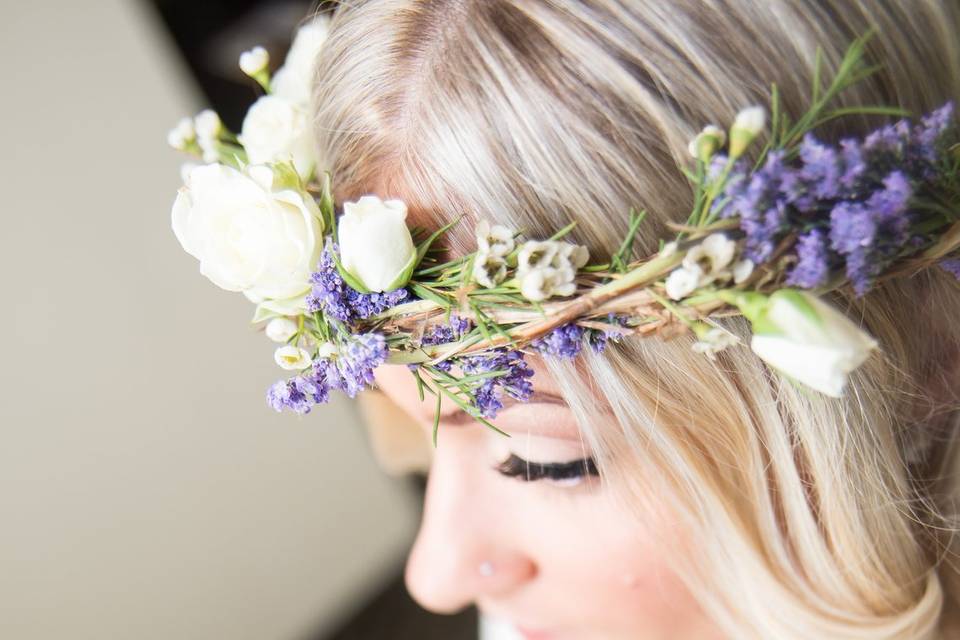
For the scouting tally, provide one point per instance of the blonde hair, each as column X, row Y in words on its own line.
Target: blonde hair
column 810, row 517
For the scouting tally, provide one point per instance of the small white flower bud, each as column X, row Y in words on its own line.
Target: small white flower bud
column 182, row 134
column 326, row 350
column 208, row 125
column 747, row 126
column 292, row 358
column 281, row 329
column 254, row 61
column 742, row 270
column 707, row 142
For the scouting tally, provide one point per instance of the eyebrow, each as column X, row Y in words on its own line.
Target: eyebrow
column 462, row 418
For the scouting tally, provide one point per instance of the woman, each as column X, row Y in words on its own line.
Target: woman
column 703, row 499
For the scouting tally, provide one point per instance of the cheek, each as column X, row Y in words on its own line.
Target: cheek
column 613, row 568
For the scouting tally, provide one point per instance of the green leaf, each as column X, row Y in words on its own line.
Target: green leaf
column 427, row 294
column 327, row 209
column 353, row 282
column 567, row 229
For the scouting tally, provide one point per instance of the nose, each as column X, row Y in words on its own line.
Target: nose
column 462, row 551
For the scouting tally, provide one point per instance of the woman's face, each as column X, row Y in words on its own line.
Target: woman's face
column 553, row 556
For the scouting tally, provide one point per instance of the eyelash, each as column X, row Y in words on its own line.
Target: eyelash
column 517, row 467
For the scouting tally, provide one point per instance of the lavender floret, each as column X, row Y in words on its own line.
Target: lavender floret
column 515, row 383
column 813, row 265
column 336, row 299
column 565, row 341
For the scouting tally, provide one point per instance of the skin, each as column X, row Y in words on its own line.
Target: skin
column 568, row 562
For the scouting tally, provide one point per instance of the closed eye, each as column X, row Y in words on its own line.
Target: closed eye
column 517, row 467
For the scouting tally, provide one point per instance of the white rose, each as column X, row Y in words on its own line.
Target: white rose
column 292, row 358
column 281, row 329
column 248, row 236
column 294, row 80
column 277, row 130
column 809, row 340
column 375, row 244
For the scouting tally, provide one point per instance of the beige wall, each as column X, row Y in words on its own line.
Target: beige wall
column 146, row 491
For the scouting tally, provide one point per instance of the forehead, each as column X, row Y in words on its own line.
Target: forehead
column 545, row 414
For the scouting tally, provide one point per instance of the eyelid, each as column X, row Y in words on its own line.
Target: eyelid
column 517, row 467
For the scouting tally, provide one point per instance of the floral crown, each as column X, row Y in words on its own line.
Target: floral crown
column 345, row 294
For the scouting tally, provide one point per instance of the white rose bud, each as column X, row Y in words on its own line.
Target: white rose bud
column 254, row 61
column 294, row 80
column 747, row 126
column 375, row 244
column 281, row 329
column 277, row 130
column 248, row 236
column 292, row 358
column 182, row 135
column 809, row 340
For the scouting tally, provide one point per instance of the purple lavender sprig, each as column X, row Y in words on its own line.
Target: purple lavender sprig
column 335, row 299
column 854, row 206
column 350, row 370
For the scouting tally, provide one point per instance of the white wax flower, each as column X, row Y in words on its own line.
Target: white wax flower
column 809, row 340
column 535, row 254
column 292, row 358
column 277, row 130
column 742, row 269
column 569, row 256
column 182, row 134
column 375, row 243
column 682, row 281
column 712, row 254
column 254, row 61
column 714, row 340
column 542, row 283
column 706, row 143
column 489, row 270
column 495, row 240
column 294, row 80
column 248, row 236
column 281, row 329
column 208, row 125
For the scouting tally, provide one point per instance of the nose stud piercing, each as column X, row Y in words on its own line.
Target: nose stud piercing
column 486, row 569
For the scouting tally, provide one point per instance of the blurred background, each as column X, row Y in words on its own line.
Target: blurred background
column 146, row 489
